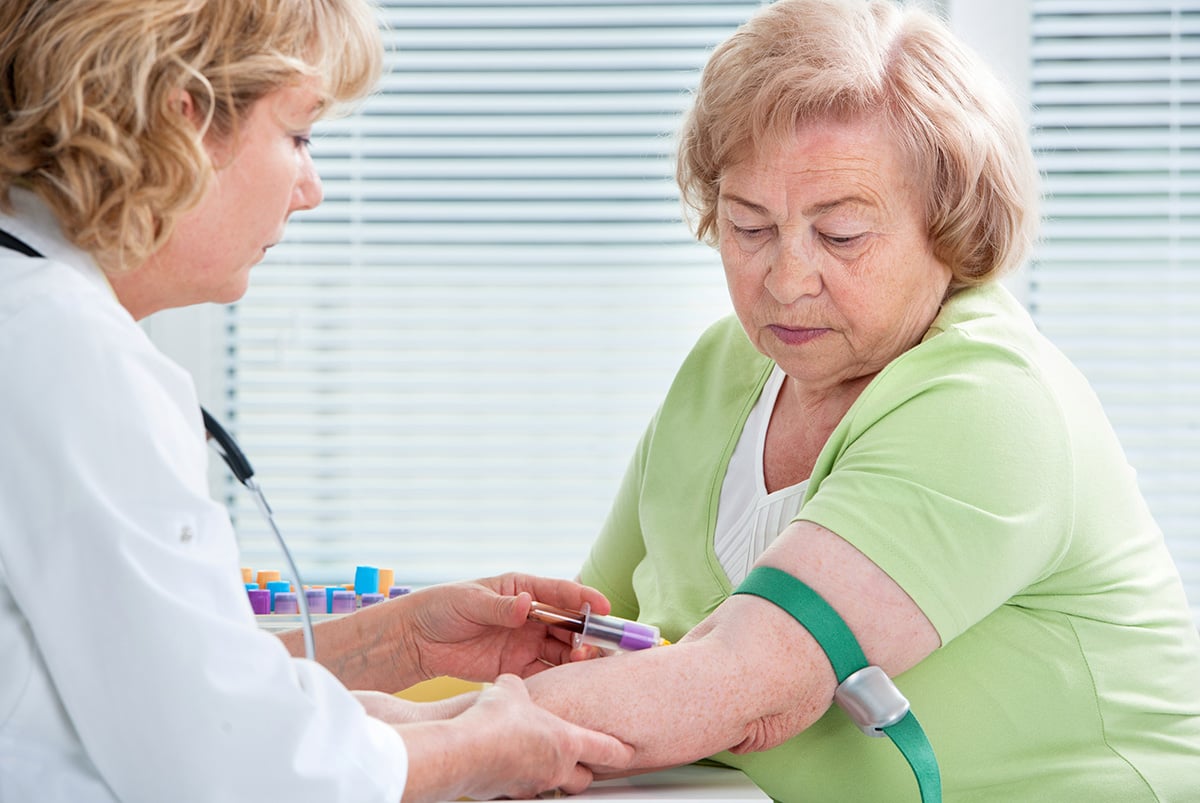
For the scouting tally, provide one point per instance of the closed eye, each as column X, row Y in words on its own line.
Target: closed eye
column 842, row 240
column 751, row 232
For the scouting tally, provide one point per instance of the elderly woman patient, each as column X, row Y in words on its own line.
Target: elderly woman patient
column 882, row 422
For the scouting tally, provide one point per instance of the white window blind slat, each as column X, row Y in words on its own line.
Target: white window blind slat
column 1129, row 94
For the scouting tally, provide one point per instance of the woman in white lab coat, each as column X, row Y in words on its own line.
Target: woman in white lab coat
column 151, row 153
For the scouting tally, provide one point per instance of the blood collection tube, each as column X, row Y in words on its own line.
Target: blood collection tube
column 260, row 600
column 276, row 587
column 316, row 600
column 366, row 580
column 386, row 578
column 267, row 576
column 343, row 602
column 607, row 632
column 286, row 602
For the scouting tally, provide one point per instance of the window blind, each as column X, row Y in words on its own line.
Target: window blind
column 1116, row 278
column 445, row 368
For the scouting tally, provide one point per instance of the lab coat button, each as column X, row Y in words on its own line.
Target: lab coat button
column 185, row 535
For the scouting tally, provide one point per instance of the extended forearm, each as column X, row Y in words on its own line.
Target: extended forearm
column 743, row 679
column 663, row 702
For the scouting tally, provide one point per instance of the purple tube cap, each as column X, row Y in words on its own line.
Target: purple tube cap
column 260, row 600
column 316, row 600
column 343, row 602
column 638, row 636
column 286, row 602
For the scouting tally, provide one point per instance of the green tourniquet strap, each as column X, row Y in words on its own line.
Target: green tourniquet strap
column 909, row 736
column 827, row 627
column 810, row 610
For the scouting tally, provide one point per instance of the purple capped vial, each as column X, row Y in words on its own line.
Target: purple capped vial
column 286, row 602
column 637, row 636
column 260, row 600
column 343, row 602
column 316, row 600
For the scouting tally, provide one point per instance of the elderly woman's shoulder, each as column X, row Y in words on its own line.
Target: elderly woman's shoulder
column 981, row 308
column 988, row 322
column 985, row 353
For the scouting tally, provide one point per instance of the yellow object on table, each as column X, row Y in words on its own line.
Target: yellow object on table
column 428, row 691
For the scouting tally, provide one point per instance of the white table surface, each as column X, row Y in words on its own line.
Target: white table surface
column 681, row 783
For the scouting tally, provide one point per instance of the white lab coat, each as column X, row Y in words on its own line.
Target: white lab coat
column 131, row 668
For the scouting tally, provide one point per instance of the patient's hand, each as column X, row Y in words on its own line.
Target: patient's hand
column 397, row 711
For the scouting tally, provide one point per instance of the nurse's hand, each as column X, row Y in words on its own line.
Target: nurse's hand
column 477, row 630
column 471, row 630
column 505, row 746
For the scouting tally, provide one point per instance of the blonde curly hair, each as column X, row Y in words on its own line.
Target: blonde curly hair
column 89, row 113
column 798, row 61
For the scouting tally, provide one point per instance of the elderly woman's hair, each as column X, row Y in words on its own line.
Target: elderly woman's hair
column 800, row 61
column 90, row 99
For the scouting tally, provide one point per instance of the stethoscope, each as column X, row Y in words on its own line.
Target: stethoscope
column 224, row 445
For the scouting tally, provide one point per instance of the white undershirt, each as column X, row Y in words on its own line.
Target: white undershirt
column 749, row 518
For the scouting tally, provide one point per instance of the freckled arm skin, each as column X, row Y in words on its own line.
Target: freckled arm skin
column 748, row 677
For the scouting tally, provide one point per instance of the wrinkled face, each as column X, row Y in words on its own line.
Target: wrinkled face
column 826, row 255
column 261, row 178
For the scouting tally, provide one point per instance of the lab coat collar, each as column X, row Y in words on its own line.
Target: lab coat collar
column 32, row 222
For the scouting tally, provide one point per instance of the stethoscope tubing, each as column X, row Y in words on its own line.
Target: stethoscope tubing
column 224, row 445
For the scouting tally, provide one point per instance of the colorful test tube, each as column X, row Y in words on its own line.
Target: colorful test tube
column 386, row 578
column 343, row 602
column 366, row 580
column 316, row 600
column 286, row 602
column 267, row 576
column 260, row 600
column 277, row 586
